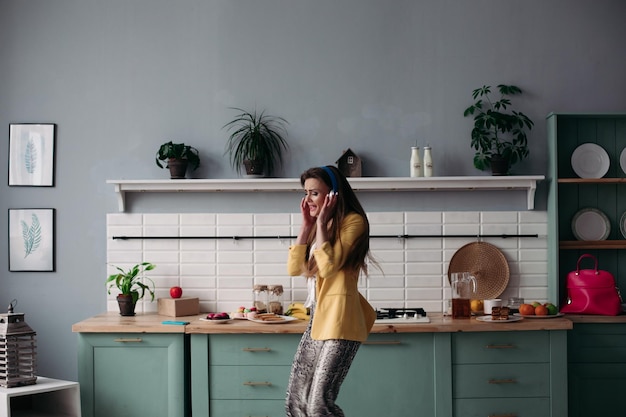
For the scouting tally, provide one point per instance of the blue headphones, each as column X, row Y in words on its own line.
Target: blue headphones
column 333, row 179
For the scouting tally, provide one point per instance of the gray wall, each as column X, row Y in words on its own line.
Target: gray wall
column 120, row 77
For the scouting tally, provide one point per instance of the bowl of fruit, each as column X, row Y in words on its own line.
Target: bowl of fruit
column 216, row 318
column 537, row 310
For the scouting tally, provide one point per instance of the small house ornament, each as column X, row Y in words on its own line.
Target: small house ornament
column 349, row 164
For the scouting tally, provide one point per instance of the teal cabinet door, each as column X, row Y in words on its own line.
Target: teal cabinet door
column 131, row 375
column 597, row 369
column 392, row 375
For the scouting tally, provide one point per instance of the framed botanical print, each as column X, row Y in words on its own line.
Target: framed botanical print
column 31, row 240
column 31, row 155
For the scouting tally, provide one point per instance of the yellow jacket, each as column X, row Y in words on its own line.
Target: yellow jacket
column 341, row 312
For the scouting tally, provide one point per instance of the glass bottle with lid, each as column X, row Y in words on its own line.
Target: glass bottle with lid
column 260, row 298
column 428, row 162
column 416, row 163
column 275, row 297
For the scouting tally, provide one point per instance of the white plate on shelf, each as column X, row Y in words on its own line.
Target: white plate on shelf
column 622, row 160
column 590, row 224
column 489, row 319
column 622, row 224
column 590, row 161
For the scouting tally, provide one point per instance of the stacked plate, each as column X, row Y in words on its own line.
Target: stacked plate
column 591, row 224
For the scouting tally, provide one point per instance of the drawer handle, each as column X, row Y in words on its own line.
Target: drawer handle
column 266, row 349
column 128, row 340
column 383, row 342
column 503, row 415
column 509, row 346
column 503, row 381
column 258, row 384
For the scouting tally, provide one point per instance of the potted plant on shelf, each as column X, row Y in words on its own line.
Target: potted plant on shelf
column 499, row 136
column 179, row 156
column 131, row 286
column 257, row 142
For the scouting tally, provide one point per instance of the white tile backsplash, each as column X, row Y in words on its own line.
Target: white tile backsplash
column 221, row 272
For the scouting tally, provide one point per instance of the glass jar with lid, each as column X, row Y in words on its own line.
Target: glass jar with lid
column 260, row 298
column 275, row 297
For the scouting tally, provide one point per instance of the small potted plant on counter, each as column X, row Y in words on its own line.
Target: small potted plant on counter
column 499, row 136
column 257, row 142
column 131, row 286
column 178, row 156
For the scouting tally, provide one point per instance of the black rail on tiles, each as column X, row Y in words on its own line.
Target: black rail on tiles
column 479, row 236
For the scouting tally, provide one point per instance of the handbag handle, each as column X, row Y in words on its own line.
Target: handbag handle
column 587, row 255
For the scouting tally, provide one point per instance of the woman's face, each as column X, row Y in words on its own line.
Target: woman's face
column 314, row 193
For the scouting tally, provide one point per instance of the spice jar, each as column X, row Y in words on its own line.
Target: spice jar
column 260, row 298
column 275, row 294
column 514, row 303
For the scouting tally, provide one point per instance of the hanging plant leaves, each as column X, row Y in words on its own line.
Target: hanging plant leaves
column 31, row 235
column 30, row 156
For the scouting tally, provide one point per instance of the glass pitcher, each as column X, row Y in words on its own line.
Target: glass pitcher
column 463, row 290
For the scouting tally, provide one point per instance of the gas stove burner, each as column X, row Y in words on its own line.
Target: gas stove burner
column 387, row 313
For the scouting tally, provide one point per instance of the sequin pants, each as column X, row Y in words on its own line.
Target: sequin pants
column 318, row 369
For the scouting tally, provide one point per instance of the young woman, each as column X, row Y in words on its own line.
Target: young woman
column 331, row 251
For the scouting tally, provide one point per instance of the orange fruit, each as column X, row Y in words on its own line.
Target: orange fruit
column 541, row 310
column 526, row 310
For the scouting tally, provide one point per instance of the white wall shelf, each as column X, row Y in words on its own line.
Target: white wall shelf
column 363, row 184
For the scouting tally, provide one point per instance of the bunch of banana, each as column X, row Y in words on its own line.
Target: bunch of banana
column 298, row 310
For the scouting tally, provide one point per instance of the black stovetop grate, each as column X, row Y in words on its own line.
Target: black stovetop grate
column 392, row 312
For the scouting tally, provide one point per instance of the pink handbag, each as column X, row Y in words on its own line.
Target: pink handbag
column 592, row 291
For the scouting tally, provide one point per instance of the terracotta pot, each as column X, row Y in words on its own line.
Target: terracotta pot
column 178, row 168
column 127, row 307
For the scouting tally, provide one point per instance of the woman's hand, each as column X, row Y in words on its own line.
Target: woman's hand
column 327, row 210
column 307, row 219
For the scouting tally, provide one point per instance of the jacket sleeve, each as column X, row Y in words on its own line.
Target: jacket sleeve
column 331, row 259
column 295, row 260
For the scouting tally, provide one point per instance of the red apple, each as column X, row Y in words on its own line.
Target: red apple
column 176, row 292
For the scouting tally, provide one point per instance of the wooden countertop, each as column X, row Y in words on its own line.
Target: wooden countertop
column 112, row 322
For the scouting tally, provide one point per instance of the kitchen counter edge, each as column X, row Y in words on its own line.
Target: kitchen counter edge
column 112, row 322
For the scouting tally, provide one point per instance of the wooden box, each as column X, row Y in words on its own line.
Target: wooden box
column 177, row 307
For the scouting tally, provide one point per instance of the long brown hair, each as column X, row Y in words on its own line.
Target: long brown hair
column 347, row 202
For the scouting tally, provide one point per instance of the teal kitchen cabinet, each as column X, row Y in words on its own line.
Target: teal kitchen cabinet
column 596, row 351
column 236, row 375
column 394, row 375
column 597, row 369
column 569, row 195
column 133, row 374
column 509, row 374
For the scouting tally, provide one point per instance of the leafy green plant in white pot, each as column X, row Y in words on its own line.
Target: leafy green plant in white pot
column 132, row 285
column 257, row 142
column 499, row 134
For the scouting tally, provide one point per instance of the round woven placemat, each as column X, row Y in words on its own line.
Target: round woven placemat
column 485, row 262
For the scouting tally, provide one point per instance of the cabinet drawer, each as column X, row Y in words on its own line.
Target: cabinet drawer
column 501, row 380
column 244, row 349
column 501, row 347
column 248, row 382
column 502, row 407
column 248, row 408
